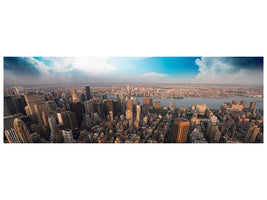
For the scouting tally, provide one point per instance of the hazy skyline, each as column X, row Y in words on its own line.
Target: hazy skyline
column 128, row 70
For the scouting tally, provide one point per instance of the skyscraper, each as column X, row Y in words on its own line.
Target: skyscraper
column 129, row 114
column 75, row 97
column 146, row 103
column 252, row 105
column 157, row 105
column 32, row 100
column 88, row 92
column 109, row 106
column 68, row 136
column 53, row 127
column 243, row 102
column 76, row 107
column 251, row 134
column 130, row 104
column 138, row 115
column 180, row 130
column 89, row 107
column 12, row 136
column 22, row 131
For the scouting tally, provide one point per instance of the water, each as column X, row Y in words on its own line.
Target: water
column 212, row 103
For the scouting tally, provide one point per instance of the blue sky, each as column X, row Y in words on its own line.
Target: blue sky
column 203, row 70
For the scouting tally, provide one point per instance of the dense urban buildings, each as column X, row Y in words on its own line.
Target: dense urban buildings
column 132, row 114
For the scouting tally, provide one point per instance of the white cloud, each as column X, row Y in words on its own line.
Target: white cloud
column 216, row 71
column 92, row 65
column 153, row 75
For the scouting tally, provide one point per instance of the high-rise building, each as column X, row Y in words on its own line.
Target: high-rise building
column 89, row 107
column 243, row 103
column 32, row 100
column 22, row 130
column 251, row 134
column 75, row 97
column 98, row 108
column 88, row 92
column 252, row 105
column 68, row 136
column 146, row 103
column 157, row 105
column 130, row 104
column 12, row 136
column 109, row 106
column 138, row 115
column 129, row 114
column 117, row 107
column 55, row 135
column 180, row 130
column 76, row 107
column 173, row 105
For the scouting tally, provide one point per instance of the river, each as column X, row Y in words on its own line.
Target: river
column 212, row 103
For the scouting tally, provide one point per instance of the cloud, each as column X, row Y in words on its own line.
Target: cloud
column 230, row 70
column 91, row 65
column 153, row 75
column 21, row 66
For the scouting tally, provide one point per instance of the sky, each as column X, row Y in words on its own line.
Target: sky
column 133, row 70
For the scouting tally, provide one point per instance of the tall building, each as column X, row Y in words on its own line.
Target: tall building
column 117, row 107
column 180, row 130
column 55, row 135
column 32, row 100
column 251, row 134
column 138, row 115
column 98, row 108
column 130, row 104
column 109, row 106
column 88, row 92
column 12, row 136
column 22, row 130
column 252, row 105
column 75, row 97
column 146, row 103
column 76, row 107
column 89, row 107
column 243, row 103
column 173, row 105
column 68, row 136
column 157, row 105
column 129, row 115
column 68, row 120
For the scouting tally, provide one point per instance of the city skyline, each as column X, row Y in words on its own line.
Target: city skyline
column 130, row 70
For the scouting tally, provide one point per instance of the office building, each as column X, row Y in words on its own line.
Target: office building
column 22, row 130
column 243, row 103
column 129, row 115
column 89, row 107
column 75, row 97
column 138, row 115
column 76, row 107
column 157, row 105
column 130, row 104
column 33, row 99
column 252, row 105
column 180, row 130
column 68, row 136
column 88, row 92
column 12, row 136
